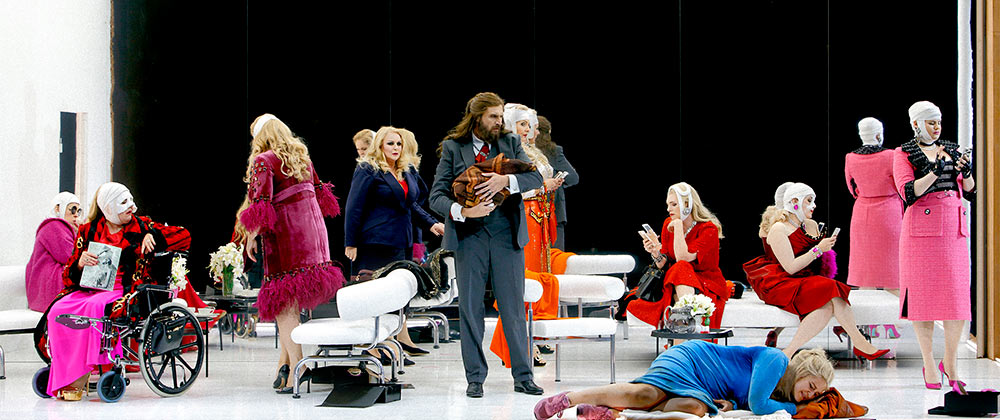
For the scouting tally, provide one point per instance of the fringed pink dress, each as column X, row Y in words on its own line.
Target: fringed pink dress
column 934, row 264
column 288, row 215
column 876, row 220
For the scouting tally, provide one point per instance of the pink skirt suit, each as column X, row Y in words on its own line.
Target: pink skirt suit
column 876, row 220
column 934, row 263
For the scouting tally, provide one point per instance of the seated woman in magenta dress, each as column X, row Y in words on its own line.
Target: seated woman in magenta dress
column 701, row 378
column 53, row 247
column 690, row 241
column 75, row 353
column 795, row 273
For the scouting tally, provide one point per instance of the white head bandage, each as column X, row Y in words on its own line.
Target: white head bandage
column 60, row 202
column 682, row 193
column 260, row 123
column 511, row 115
column 799, row 191
column 920, row 112
column 779, row 195
column 114, row 199
column 533, row 123
column 870, row 130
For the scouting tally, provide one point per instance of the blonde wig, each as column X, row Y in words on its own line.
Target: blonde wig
column 408, row 158
column 240, row 232
column 367, row 136
column 275, row 136
column 803, row 364
column 94, row 209
column 772, row 215
column 699, row 212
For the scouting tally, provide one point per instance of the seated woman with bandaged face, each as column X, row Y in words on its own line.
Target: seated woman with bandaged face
column 75, row 352
column 795, row 273
column 689, row 248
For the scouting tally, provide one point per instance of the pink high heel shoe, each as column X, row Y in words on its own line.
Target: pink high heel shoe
column 951, row 382
column 892, row 335
column 929, row 385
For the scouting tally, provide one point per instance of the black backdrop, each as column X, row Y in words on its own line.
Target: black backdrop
column 732, row 97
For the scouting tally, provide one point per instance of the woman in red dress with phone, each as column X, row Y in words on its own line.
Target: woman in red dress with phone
column 690, row 241
column 797, row 268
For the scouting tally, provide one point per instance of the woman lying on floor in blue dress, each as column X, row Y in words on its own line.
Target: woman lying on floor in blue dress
column 701, row 378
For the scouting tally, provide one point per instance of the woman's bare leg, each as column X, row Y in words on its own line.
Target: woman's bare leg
column 635, row 396
column 952, row 335
column 287, row 320
column 811, row 325
column 925, row 337
column 845, row 316
column 404, row 336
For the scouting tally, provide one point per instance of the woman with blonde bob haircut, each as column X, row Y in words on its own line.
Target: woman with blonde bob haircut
column 287, row 206
column 702, row 378
column 385, row 197
column 689, row 241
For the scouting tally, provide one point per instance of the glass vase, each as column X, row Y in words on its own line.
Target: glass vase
column 227, row 281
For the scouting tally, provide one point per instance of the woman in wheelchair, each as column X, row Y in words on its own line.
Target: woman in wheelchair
column 75, row 352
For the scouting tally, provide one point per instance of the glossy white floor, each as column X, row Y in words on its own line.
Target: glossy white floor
column 240, row 378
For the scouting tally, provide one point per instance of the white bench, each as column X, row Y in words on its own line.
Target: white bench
column 870, row 307
column 15, row 317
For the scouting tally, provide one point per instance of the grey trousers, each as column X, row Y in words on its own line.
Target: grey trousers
column 560, row 236
column 481, row 258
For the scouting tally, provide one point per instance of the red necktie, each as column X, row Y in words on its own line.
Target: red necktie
column 483, row 152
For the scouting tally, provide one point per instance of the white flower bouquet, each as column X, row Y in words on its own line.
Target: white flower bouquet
column 700, row 304
column 178, row 273
column 227, row 264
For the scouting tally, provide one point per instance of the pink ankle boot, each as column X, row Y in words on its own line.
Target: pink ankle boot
column 551, row 406
column 594, row 412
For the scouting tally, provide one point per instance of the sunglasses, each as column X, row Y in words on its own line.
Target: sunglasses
column 75, row 210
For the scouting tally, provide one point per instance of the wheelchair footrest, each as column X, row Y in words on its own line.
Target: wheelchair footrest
column 362, row 395
column 75, row 322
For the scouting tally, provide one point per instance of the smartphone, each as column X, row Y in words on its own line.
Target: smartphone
column 561, row 175
column 836, row 232
column 649, row 231
column 820, row 226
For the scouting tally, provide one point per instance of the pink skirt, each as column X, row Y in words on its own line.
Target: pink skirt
column 76, row 352
column 875, row 227
column 934, row 265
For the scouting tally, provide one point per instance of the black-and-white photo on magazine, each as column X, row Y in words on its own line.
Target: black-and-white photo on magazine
column 102, row 275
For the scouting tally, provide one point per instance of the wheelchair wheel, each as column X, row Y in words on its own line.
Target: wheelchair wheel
column 111, row 387
column 170, row 369
column 40, row 383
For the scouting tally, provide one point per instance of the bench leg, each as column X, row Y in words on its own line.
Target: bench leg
column 612, row 358
column 3, row 368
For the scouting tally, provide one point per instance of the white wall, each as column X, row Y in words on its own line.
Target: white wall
column 55, row 56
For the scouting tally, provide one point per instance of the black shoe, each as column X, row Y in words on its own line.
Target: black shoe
column 475, row 390
column 408, row 362
column 527, row 387
column 282, row 378
column 546, row 349
column 306, row 377
column 413, row 351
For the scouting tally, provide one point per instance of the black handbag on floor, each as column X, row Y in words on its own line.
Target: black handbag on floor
column 650, row 286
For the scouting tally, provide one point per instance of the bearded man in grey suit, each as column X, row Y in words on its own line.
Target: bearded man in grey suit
column 488, row 240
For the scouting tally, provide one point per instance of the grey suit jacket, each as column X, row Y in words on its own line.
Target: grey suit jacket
column 559, row 163
column 456, row 156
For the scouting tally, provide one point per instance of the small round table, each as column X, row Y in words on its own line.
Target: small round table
column 723, row 333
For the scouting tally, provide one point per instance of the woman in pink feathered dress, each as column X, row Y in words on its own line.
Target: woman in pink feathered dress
column 53, row 247
column 287, row 205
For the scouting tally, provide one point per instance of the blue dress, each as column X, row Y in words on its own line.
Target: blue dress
column 706, row 371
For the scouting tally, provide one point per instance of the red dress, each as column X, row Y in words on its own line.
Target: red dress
column 799, row 293
column 703, row 274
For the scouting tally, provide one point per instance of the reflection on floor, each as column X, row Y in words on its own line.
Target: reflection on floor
column 240, row 376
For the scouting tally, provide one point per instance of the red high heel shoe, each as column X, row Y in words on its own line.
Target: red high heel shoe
column 929, row 385
column 873, row 356
column 840, row 332
column 950, row 382
column 771, row 340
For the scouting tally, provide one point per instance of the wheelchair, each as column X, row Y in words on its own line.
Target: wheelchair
column 168, row 366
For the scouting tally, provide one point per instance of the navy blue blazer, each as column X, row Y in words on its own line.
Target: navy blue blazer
column 377, row 213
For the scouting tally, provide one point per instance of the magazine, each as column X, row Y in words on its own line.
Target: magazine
column 101, row 276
